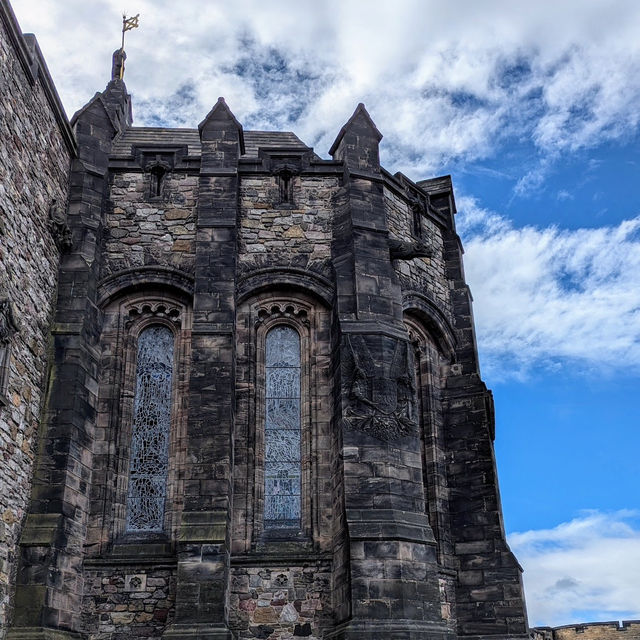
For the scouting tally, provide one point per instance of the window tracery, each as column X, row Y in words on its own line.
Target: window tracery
column 282, row 466
column 149, row 460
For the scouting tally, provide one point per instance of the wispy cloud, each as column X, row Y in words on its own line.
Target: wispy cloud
column 442, row 80
column 584, row 570
column 549, row 296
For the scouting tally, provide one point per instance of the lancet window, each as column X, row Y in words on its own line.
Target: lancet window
column 282, row 465
column 148, row 466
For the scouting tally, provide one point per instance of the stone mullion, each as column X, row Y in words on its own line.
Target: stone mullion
column 203, row 539
column 393, row 572
column 50, row 581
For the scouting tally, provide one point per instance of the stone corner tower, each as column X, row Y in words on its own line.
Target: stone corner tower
column 263, row 416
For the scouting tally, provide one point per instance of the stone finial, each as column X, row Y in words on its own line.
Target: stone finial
column 59, row 227
column 117, row 66
column 358, row 141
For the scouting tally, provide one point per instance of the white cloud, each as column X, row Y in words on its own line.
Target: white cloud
column 584, row 570
column 543, row 296
column 442, row 80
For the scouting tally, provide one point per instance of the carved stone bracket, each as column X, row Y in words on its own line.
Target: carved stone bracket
column 59, row 227
column 380, row 390
column 403, row 250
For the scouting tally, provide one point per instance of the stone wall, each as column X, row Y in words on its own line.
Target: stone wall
column 142, row 230
column 281, row 602
column 426, row 275
column 35, row 152
column 128, row 601
column 297, row 234
column 627, row 630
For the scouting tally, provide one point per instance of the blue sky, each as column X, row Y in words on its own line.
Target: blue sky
column 533, row 108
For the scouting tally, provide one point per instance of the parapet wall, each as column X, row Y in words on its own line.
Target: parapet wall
column 627, row 630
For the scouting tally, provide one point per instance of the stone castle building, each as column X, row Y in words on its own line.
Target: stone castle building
column 239, row 390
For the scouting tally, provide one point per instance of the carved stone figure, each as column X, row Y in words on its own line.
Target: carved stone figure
column 8, row 322
column 59, row 227
column 381, row 392
column 403, row 250
column 415, row 203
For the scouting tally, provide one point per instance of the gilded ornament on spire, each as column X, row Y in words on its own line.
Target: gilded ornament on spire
column 119, row 56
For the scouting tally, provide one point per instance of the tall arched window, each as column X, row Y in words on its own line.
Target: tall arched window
column 282, row 465
column 147, row 488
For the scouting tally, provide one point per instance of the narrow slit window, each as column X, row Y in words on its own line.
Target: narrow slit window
column 149, row 460
column 282, row 466
column 417, row 222
column 157, row 181
column 285, row 182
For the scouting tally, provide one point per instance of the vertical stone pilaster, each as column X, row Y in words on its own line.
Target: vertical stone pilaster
column 203, row 544
column 394, row 588
column 50, row 583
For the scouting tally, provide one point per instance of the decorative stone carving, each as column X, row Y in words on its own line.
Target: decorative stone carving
column 59, row 227
column 403, row 250
column 283, row 310
column 156, row 310
column 8, row 326
column 8, row 321
column 380, row 390
column 416, row 204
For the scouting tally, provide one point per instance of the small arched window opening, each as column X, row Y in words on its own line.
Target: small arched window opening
column 282, row 463
column 149, row 457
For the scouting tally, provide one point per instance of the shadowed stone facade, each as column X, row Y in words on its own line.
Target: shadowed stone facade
column 342, row 488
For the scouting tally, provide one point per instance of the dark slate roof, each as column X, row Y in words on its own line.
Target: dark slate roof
column 157, row 137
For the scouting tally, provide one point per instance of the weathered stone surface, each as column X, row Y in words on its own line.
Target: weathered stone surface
column 397, row 532
column 34, row 171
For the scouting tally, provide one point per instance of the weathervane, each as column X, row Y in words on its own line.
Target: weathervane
column 119, row 56
column 128, row 24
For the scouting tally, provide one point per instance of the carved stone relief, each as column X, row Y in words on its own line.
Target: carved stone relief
column 8, row 327
column 160, row 310
column 8, row 321
column 402, row 250
column 380, row 390
column 59, row 227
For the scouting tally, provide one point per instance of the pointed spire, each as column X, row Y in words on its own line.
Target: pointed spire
column 358, row 141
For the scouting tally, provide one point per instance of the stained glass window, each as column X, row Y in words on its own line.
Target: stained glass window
column 150, row 432
column 282, row 467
